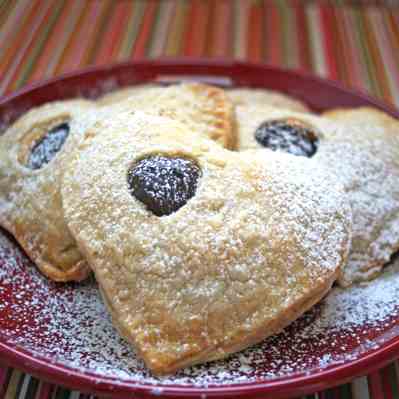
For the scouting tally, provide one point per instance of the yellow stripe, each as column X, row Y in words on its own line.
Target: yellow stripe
column 158, row 41
column 12, row 388
column 315, row 36
column 132, row 30
column 174, row 41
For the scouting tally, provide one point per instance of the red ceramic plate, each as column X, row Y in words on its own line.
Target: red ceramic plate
column 62, row 332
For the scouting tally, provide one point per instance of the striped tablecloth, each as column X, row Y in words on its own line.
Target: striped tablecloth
column 356, row 42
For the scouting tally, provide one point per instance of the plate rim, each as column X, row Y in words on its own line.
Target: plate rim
column 61, row 373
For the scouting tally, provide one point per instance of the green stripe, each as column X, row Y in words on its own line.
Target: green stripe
column 286, row 32
column 157, row 20
column 40, row 43
column 61, row 393
column 106, row 15
column 365, row 51
column 345, row 391
column 15, row 384
column 393, row 382
column 132, row 31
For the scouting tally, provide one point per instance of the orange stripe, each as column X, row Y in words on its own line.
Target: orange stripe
column 393, row 31
column 221, row 29
column 117, row 20
column 255, row 33
column 27, row 59
column 128, row 14
column 99, row 28
column 140, row 46
column 273, row 37
column 39, row 69
column 176, row 29
column 345, row 68
column 302, row 33
column 208, row 38
column 84, row 39
column 339, row 44
column 386, row 382
column 329, row 41
column 58, row 51
column 18, row 62
column 375, row 385
column 25, row 24
column 357, row 68
column 70, row 42
column 13, row 22
column 378, row 65
column 194, row 40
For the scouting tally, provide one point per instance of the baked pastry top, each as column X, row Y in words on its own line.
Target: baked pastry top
column 203, row 108
column 32, row 151
column 250, row 96
column 124, row 93
column 362, row 148
column 200, row 251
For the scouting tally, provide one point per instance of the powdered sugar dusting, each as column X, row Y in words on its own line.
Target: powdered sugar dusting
column 68, row 324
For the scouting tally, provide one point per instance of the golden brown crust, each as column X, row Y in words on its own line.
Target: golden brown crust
column 203, row 108
column 30, row 199
column 232, row 266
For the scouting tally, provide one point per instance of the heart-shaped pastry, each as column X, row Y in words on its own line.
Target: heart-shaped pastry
column 200, row 251
column 32, row 151
column 362, row 148
column 203, row 108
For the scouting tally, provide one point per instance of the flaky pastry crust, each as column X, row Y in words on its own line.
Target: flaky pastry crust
column 203, row 108
column 258, row 244
column 30, row 199
column 362, row 148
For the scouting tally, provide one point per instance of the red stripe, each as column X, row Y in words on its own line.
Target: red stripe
column 195, row 38
column 20, row 37
column 33, row 38
column 83, row 39
column 322, row 395
column 39, row 70
column 146, row 28
column 221, row 29
column 4, row 376
column 23, row 7
column 45, row 390
column 375, row 386
column 303, row 38
column 117, row 22
column 255, row 34
column 327, row 19
column 386, row 383
column 273, row 35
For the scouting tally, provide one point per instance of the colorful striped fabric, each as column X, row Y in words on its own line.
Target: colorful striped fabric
column 356, row 42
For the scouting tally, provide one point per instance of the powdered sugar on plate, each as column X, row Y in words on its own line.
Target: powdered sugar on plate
column 68, row 324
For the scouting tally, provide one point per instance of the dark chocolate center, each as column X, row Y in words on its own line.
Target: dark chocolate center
column 163, row 184
column 44, row 149
column 288, row 135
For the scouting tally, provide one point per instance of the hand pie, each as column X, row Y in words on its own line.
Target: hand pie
column 362, row 148
column 32, row 151
column 199, row 251
column 203, row 108
column 264, row 97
